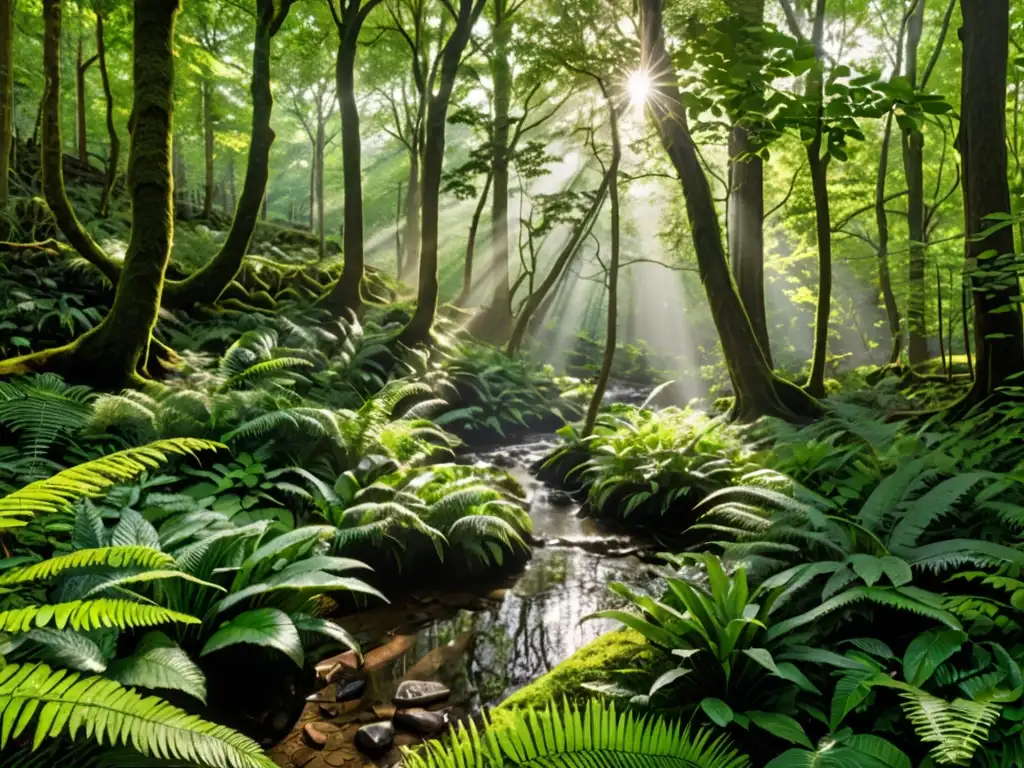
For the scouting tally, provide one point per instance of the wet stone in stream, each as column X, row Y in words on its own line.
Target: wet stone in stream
column 420, row 693
column 351, row 690
column 421, row 721
column 375, row 739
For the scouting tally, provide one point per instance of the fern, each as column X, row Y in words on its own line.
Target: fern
column 89, row 614
column 104, row 711
column 93, row 478
column 957, row 728
column 115, row 557
column 42, row 409
column 597, row 737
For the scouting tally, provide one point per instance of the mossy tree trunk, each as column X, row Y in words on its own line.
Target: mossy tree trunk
column 913, row 164
column 53, row 152
column 758, row 391
column 990, row 260
column 6, row 96
column 209, row 136
column 818, row 163
column 115, row 352
column 114, row 151
column 418, row 329
column 348, row 291
column 81, row 126
column 746, row 202
column 205, row 285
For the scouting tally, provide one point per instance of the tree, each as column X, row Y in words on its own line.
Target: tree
column 417, row 331
column 349, row 19
column 82, row 66
column 6, row 95
column 757, row 390
column 114, row 153
column 990, row 258
column 122, row 340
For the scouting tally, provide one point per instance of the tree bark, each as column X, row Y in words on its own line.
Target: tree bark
column 347, row 292
column 53, row 154
column 497, row 324
column 474, row 225
column 611, row 331
column 412, row 215
column 321, row 143
column 746, row 202
column 115, row 352
column 822, row 216
column 892, row 311
column 417, row 331
column 938, row 299
column 114, row 153
column 758, row 391
column 208, row 142
column 965, row 302
column 913, row 164
column 81, row 135
column 746, row 232
column 6, row 96
column 205, row 285
column 398, row 231
column 991, row 263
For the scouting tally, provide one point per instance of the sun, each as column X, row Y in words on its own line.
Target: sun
column 639, row 87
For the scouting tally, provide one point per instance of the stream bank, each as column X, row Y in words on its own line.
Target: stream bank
column 483, row 643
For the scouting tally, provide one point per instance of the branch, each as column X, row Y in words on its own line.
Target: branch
column 864, row 209
column 789, row 193
column 943, row 30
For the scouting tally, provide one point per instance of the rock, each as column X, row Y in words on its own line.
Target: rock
column 420, row 693
column 328, row 695
column 383, row 712
column 314, row 736
column 328, row 673
column 353, row 689
column 375, row 739
column 560, row 499
column 349, row 660
column 503, row 460
column 366, row 717
column 421, row 721
column 327, row 711
column 302, row 756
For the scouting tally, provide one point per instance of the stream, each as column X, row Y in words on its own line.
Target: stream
column 488, row 641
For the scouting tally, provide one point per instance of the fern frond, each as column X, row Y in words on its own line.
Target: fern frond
column 957, row 728
column 93, row 478
column 90, row 614
column 114, row 557
column 106, row 712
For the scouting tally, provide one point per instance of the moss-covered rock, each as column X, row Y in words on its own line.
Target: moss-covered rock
column 597, row 661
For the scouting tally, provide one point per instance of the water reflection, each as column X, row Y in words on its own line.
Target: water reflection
column 487, row 652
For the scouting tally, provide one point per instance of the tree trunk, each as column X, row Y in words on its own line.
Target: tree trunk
column 537, row 297
column 822, row 216
column 412, row 215
column 497, row 324
column 746, row 200
column 758, row 391
column 114, row 153
column 991, row 263
column 892, row 311
column 81, row 138
column 347, row 293
column 913, row 165
column 418, row 329
column 321, row 144
column 208, row 136
column 965, row 291
column 205, row 285
column 398, row 231
column 6, row 96
column 746, row 232
column 611, row 332
column 942, row 343
column 474, row 225
column 312, row 187
column 53, row 156
column 823, row 219
column 113, row 353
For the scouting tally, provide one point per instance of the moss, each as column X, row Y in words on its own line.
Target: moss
column 621, row 649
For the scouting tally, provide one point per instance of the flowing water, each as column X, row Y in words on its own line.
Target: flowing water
column 487, row 644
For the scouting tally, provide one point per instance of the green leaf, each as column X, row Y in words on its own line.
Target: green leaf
column 158, row 662
column 268, row 627
column 667, row 678
column 780, row 726
column 928, row 651
column 716, row 709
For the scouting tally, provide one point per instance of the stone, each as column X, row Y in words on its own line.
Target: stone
column 349, row 660
column 328, row 695
column 337, row 759
column 420, row 693
column 375, row 739
column 302, row 756
column 421, row 721
column 366, row 717
column 314, row 736
column 353, row 689
column 560, row 499
column 328, row 673
column 327, row 711
column 407, row 740
column 383, row 712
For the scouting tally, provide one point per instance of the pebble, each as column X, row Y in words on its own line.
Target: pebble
column 314, row 737
column 420, row 693
column 421, row 721
column 375, row 739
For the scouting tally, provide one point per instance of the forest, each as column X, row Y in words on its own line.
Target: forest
column 511, row 383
